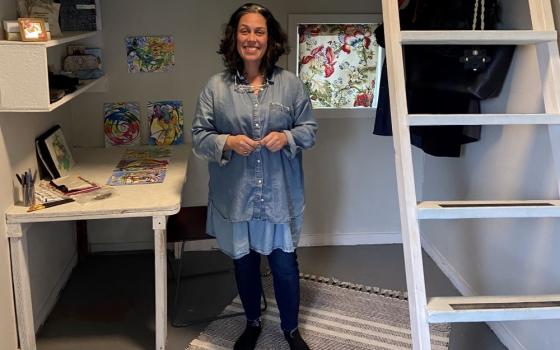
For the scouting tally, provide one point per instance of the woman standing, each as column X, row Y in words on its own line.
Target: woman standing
column 252, row 122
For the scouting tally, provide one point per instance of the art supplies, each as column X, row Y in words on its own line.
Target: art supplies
column 139, row 177
column 49, row 204
column 45, row 192
column 27, row 182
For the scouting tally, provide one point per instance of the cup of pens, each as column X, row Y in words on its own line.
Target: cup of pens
column 27, row 182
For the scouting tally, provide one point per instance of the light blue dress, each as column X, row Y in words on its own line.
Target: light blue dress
column 255, row 202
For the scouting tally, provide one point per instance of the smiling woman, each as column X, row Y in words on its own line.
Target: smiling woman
column 252, row 123
column 252, row 40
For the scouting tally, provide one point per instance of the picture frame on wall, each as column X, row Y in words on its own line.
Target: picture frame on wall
column 337, row 58
column 32, row 29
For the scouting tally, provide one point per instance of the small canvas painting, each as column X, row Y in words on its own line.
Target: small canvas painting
column 165, row 119
column 60, row 152
column 337, row 63
column 150, row 53
column 121, row 124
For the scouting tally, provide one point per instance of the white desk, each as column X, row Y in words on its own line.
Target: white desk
column 154, row 200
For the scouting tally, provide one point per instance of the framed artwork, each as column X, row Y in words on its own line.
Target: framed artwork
column 336, row 57
column 59, row 152
column 165, row 119
column 32, row 29
column 150, row 53
column 121, row 124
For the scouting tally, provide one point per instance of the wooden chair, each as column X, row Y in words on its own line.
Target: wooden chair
column 189, row 225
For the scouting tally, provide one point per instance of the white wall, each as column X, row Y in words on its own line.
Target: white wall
column 350, row 181
column 502, row 256
column 50, row 247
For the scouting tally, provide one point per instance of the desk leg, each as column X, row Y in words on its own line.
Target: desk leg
column 160, row 253
column 22, row 289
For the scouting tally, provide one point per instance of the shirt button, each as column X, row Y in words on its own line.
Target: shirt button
column 258, row 160
column 260, row 181
column 256, row 124
column 256, row 105
column 262, row 199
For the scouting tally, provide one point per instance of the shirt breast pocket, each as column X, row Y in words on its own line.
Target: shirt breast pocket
column 280, row 117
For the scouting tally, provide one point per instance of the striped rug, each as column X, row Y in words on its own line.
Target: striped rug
column 334, row 315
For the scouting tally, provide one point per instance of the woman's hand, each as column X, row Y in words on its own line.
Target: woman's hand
column 275, row 141
column 240, row 144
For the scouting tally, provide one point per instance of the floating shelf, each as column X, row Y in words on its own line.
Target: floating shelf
column 66, row 37
column 24, row 83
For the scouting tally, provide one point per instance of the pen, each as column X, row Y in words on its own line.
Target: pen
column 49, row 204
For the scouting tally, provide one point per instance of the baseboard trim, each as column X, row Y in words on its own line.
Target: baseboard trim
column 503, row 332
column 50, row 301
column 306, row 240
column 314, row 240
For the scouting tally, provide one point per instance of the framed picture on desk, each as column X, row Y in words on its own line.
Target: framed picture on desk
column 55, row 157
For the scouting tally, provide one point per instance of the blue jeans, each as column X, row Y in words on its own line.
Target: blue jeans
column 285, row 274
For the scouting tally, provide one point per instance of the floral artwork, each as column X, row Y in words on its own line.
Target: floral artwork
column 121, row 124
column 150, row 53
column 337, row 63
column 166, row 122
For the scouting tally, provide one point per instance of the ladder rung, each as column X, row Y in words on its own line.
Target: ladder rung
column 488, row 209
column 493, row 308
column 476, row 37
column 483, row 119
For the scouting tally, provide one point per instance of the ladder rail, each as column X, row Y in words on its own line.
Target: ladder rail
column 543, row 36
column 548, row 58
column 405, row 180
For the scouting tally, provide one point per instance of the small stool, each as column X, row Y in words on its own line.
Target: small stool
column 190, row 225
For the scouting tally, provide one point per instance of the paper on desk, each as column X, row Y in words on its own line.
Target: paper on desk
column 72, row 183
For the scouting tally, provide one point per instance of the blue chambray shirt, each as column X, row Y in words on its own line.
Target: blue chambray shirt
column 264, row 185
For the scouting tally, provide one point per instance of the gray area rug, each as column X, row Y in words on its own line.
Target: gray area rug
column 333, row 315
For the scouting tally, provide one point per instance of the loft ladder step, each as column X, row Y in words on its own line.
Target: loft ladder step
column 476, row 37
column 488, row 209
column 493, row 308
column 483, row 119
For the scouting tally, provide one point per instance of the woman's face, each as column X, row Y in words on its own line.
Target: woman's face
column 252, row 38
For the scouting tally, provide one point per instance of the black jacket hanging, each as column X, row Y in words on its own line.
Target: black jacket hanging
column 437, row 77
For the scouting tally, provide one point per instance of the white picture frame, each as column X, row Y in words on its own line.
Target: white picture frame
column 294, row 57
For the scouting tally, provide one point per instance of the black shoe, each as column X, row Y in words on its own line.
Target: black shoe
column 248, row 339
column 295, row 340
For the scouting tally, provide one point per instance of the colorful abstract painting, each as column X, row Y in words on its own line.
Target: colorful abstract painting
column 121, row 124
column 337, row 63
column 150, row 53
column 165, row 119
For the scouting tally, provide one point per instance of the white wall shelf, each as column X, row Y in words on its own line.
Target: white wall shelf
column 24, row 83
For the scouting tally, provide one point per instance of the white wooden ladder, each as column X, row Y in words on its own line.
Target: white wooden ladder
column 468, row 309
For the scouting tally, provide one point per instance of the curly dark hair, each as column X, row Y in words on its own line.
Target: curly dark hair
column 277, row 40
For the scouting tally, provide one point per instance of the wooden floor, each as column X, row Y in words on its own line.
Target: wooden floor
column 108, row 302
